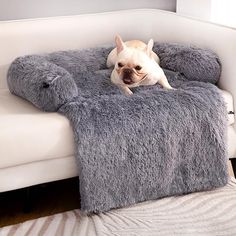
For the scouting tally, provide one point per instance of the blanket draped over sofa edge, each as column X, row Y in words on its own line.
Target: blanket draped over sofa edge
column 154, row 144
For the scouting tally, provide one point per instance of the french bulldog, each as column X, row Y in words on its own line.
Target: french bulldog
column 135, row 64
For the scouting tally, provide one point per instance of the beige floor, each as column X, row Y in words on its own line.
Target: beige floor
column 205, row 213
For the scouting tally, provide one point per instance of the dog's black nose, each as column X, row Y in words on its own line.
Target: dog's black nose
column 127, row 72
column 127, row 76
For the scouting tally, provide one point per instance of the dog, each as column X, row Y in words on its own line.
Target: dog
column 135, row 64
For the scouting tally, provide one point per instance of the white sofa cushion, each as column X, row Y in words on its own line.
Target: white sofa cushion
column 28, row 134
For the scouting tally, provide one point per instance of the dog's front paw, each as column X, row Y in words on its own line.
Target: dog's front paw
column 129, row 94
column 172, row 88
column 127, row 91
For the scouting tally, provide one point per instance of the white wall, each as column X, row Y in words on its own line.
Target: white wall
column 224, row 12
column 21, row 9
column 217, row 11
column 195, row 8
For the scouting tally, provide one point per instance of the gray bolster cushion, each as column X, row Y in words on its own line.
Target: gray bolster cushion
column 194, row 63
column 41, row 82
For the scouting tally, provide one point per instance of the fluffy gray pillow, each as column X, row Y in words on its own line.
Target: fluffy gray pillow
column 41, row 82
column 193, row 62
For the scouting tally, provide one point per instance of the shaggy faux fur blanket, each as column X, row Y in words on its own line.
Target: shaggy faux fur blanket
column 152, row 144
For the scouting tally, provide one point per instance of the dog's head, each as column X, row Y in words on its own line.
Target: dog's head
column 133, row 64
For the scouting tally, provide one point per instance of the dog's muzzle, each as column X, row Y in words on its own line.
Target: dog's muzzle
column 127, row 76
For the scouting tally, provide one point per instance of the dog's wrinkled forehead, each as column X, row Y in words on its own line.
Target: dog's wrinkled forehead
column 133, row 56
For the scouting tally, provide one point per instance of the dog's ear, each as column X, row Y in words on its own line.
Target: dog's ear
column 119, row 44
column 149, row 47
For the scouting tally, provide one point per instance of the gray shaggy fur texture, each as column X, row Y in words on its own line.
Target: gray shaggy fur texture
column 153, row 144
column 193, row 62
column 41, row 82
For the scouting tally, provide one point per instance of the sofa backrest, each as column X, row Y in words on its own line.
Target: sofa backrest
column 21, row 37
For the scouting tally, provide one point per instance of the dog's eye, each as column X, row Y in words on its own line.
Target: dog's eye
column 138, row 67
column 120, row 64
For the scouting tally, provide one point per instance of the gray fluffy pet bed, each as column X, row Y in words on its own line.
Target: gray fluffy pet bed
column 153, row 144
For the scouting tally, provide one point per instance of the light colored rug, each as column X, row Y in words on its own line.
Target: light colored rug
column 211, row 213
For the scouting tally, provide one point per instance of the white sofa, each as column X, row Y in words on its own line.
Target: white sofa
column 37, row 147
